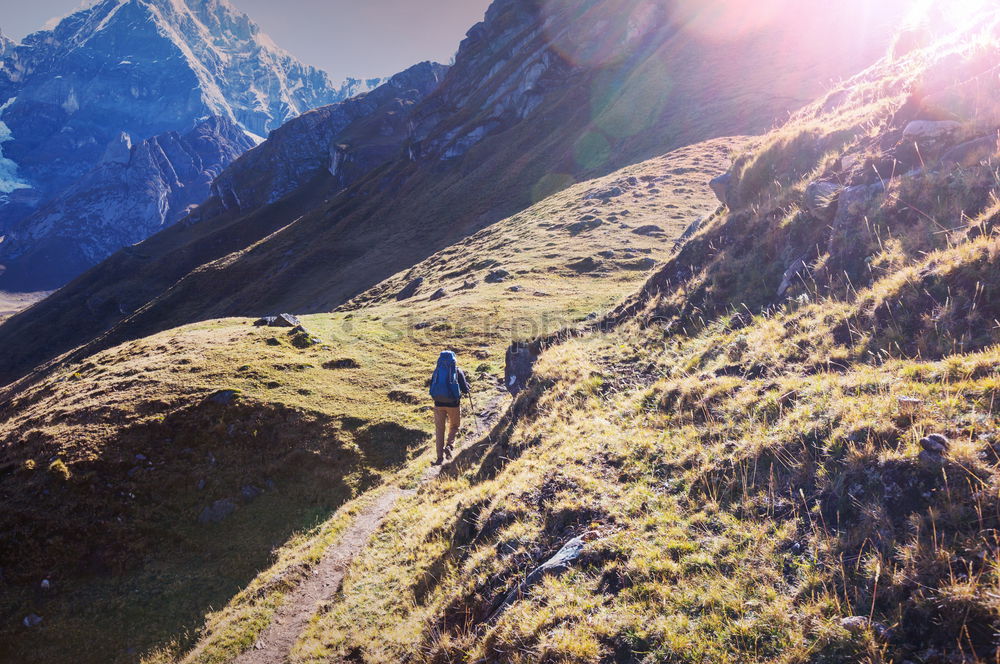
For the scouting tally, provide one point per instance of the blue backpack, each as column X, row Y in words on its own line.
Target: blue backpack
column 444, row 382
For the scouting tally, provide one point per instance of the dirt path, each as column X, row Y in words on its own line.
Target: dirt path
column 292, row 617
column 324, row 581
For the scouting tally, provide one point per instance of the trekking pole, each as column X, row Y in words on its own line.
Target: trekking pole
column 475, row 416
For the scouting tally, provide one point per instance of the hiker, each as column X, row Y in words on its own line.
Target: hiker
column 448, row 384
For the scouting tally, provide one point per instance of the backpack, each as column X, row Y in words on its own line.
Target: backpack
column 444, row 382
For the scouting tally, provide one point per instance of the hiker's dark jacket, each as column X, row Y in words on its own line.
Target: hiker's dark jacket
column 463, row 384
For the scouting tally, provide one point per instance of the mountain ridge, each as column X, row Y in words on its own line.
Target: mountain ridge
column 145, row 68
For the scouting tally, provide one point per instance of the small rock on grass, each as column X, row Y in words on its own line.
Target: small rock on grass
column 32, row 620
column 935, row 443
column 858, row 624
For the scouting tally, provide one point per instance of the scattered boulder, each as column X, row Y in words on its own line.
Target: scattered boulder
column 793, row 271
column 649, row 230
column 469, row 284
column 32, row 620
column 554, row 566
column 935, row 446
column 909, row 405
column 497, row 276
column 410, row 289
column 519, row 366
column 720, row 187
column 46, row 584
column 301, row 339
column 223, row 397
column 541, row 294
column 928, row 131
column 584, row 225
column 607, row 253
column 821, row 199
column 250, row 492
column 516, row 289
column 583, row 265
column 217, row 511
column 342, row 363
column 639, row 264
column 971, row 152
column 605, row 194
column 858, row 624
column 399, row 396
column 281, row 320
column 438, row 294
column 935, row 443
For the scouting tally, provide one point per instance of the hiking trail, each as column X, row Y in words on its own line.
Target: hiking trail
column 324, row 580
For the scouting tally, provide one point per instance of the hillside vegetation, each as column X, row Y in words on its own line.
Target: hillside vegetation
column 524, row 112
column 173, row 466
column 784, row 448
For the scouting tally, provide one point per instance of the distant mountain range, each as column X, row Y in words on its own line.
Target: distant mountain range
column 123, row 72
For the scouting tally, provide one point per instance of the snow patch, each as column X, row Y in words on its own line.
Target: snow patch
column 257, row 140
column 8, row 169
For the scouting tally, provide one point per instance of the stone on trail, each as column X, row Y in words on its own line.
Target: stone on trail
column 32, row 620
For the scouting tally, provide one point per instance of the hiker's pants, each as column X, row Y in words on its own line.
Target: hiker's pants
column 450, row 416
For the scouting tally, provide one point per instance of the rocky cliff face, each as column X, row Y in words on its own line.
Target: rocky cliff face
column 134, row 192
column 146, row 68
column 318, row 142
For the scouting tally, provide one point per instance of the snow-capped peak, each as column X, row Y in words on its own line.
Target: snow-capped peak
column 240, row 71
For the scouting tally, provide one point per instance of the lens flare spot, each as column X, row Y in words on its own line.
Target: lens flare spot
column 550, row 184
column 599, row 34
column 592, row 150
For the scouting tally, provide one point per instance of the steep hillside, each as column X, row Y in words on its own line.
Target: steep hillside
column 744, row 462
column 523, row 113
column 172, row 466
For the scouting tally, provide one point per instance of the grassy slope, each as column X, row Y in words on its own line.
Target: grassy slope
column 630, row 99
column 750, row 479
column 113, row 531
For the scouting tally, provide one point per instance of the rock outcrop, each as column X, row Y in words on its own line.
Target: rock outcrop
column 317, row 143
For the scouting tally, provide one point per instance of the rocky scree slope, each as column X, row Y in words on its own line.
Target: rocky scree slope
column 143, row 67
column 173, row 465
column 134, row 192
column 732, row 467
column 520, row 115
